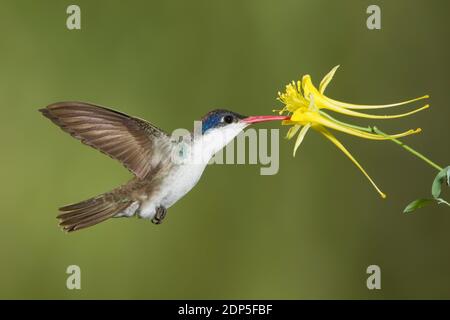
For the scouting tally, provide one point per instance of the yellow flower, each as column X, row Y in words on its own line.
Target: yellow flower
column 306, row 104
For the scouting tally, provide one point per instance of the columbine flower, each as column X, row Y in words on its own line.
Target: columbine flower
column 306, row 104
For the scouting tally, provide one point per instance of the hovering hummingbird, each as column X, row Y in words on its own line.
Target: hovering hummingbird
column 147, row 152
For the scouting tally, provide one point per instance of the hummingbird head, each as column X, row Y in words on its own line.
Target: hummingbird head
column 221, row 126
column 225, row 119
column 222, row 119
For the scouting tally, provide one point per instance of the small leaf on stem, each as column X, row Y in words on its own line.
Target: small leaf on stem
column 442, row 176
column 417, row 204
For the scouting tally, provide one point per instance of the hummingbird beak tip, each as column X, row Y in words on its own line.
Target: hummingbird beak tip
column 256, row 119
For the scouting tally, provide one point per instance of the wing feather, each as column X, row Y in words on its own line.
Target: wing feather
column 130, row 140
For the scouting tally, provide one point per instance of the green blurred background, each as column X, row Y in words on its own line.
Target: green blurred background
column 308, row 232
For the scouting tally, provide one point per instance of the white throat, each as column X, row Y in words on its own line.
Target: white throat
column 205, row 146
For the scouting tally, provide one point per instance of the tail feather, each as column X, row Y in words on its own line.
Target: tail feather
column 91, row 212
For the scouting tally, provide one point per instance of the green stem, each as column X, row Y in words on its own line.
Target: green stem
column 377, row 131
column 408, row 148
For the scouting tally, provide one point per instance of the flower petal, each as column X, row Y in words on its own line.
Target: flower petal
column 308, row 87
column 323, row 102
column 326, row 80
column 361, row 106
column 288, row 122
column 292, row 131
column 338, row 144
column 312, row 105
column 352, row 113
column 362, row 134
column 301, row 136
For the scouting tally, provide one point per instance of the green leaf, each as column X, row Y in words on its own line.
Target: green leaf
column 417, row 204
column 442, row 176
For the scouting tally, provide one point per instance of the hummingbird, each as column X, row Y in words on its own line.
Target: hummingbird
column 148, row 153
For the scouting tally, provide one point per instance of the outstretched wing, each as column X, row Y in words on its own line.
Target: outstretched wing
column 132, row 141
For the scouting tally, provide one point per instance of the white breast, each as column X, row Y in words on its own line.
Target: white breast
column 179, row 182
column 183, row 177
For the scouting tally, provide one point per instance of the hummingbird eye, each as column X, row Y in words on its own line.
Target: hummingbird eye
column 228, row 119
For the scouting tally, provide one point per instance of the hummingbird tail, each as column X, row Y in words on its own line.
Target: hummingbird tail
column 92, row 211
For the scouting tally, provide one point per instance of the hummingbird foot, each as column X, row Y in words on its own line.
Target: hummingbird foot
column 160, row 215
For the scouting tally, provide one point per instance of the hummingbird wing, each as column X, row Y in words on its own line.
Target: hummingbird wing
column 132, row 141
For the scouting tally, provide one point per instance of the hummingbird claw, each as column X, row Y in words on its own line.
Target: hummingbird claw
column 160, row 215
